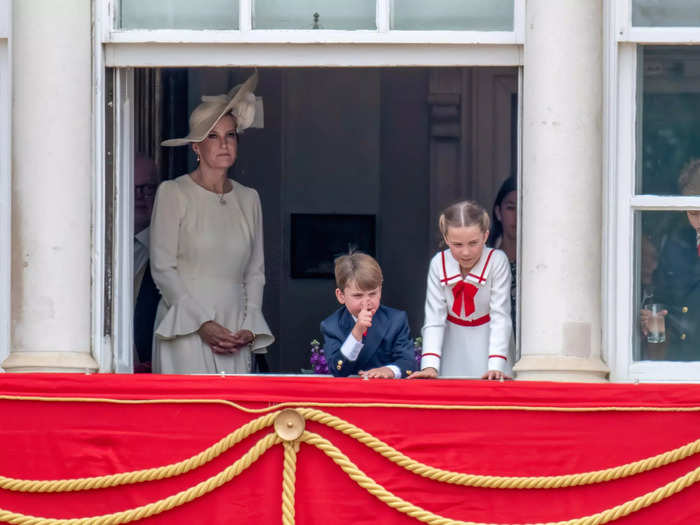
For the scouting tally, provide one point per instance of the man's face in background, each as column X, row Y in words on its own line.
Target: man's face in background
column 145, row 184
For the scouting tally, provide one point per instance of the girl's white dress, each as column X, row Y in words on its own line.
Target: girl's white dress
column 467, row 320
column 207, row 260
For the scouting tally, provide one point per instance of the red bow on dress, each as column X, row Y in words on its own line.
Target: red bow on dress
column 464, row 297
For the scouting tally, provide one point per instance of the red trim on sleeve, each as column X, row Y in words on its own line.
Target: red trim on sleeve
column 501, row 356
column 430, row 353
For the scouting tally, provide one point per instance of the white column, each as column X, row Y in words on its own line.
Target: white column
column 561, row 192
column 51, row 189
column 5, row 173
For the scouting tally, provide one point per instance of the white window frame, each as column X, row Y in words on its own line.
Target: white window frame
column 621, row 315
column 382, row 35
column 101, row 344
column 250, row 47
column 261, row 47
column 123, row 247
column 245, row 47
column 5, row 174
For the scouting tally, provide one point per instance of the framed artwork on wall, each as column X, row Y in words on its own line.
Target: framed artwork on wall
column 318, row 238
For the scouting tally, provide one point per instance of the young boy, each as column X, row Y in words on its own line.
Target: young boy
column 363, row 337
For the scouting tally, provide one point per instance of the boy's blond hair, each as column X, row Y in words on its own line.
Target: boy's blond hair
column 358, row 268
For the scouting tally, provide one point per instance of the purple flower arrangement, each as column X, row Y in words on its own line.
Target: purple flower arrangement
column 418, row 350
column 319, row 364
column 318, row 359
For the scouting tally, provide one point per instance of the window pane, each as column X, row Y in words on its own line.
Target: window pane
column 475, row 15
column 178, row 14
column 666, row 13
column 314, row 14
column 668, row 275
column 668, row 115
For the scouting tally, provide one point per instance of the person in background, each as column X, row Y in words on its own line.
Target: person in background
column 467, row 326
column 504, row 232
column 207, row 250
column 363, row 336
column 146, row 295
column 676, row 281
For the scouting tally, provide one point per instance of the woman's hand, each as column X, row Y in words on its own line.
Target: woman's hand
column 219, row 338
column 426, row 373
column 243, row 338
column 495, row 375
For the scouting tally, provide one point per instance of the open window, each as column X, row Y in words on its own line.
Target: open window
column 385, row 147
column 365, row 114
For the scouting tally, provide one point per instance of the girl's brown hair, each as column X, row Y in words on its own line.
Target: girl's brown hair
column 464, row 214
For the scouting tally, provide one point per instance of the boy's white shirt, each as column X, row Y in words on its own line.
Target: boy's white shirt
column 351, row 349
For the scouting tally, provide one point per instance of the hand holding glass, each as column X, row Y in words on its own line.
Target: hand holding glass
column 656, row 323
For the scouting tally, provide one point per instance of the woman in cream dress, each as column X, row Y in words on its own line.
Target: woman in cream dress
column 207, row 250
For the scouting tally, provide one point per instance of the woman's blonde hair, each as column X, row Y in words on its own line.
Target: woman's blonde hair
column 464, row 214
column 358, row 268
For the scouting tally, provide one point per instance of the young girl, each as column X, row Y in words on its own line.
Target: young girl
column 467, row 308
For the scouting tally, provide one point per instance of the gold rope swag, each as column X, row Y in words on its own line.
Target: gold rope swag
column 289, row 429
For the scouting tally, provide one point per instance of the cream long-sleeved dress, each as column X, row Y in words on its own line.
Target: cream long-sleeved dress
column 207, row 260
column 467, row 319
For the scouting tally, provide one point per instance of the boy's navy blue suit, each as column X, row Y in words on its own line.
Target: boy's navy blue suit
column 387, row 342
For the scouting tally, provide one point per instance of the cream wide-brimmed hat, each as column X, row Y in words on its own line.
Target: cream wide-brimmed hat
column 240, row 102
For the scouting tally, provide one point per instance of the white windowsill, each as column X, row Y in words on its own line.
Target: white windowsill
column 302, row 36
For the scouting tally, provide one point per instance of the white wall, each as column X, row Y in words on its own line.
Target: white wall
column 340, row 141
column 331, row 165
column 5, row 17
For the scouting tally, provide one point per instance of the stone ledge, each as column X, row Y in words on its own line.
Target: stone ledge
column 79, row 362
column 561, row 368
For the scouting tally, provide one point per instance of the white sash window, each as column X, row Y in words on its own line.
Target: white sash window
column 260, row 33
column 652, row 93
column 354, row 15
